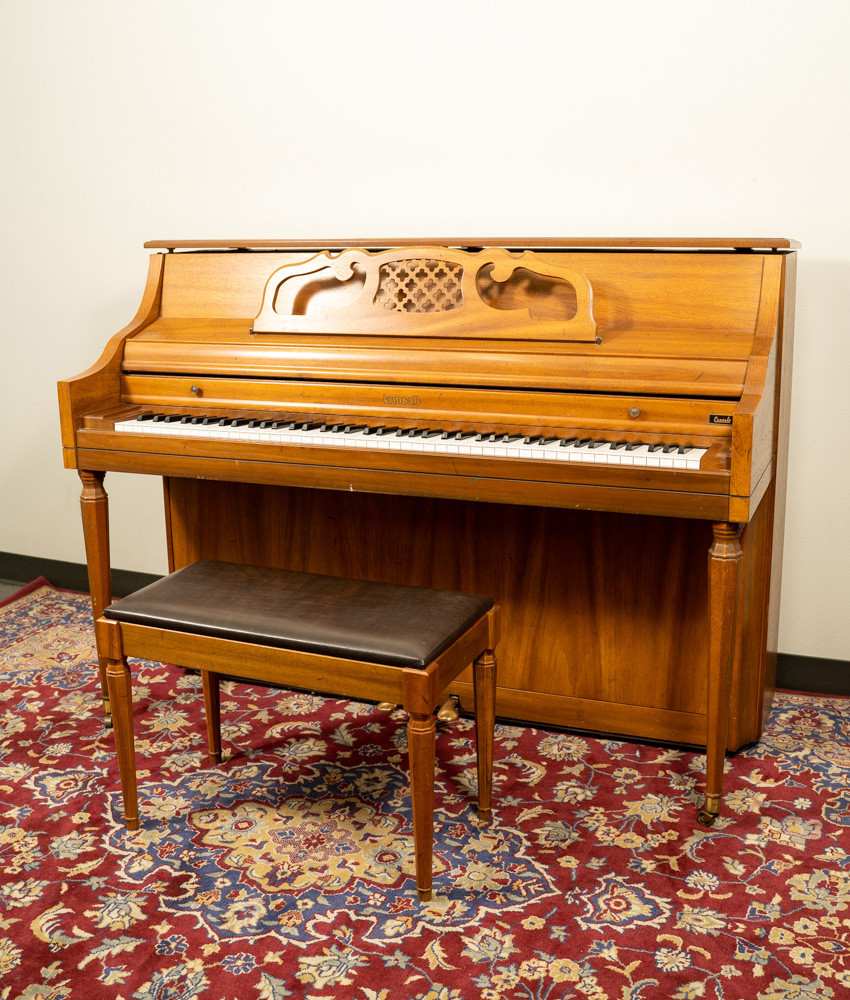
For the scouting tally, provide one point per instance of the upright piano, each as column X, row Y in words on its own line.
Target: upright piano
column 573, row 426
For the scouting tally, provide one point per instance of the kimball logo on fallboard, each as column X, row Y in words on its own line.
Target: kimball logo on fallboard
column 401, row 400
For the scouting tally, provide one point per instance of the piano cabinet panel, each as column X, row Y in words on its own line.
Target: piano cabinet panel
column 605, row 615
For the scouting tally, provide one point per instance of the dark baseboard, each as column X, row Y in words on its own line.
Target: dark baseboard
column 67, row 575
column 812, row 673
column 795, row 673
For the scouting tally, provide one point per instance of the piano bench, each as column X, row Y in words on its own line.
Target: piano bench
column 349, row 638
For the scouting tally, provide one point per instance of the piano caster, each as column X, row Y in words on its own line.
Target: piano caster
column 386, row 706
column 107, row 714
column 450, row 709
column 710, row 810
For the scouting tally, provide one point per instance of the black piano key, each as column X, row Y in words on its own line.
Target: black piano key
column 596, row 444
column 374, row 430
column 567, row 442
column 146, row 416
column 355, row 428
column 386, row 431
column 532, row 440
column 428, row 433
column 655, row 447
column 617, row 445
column 668, row 448
column 463, row 435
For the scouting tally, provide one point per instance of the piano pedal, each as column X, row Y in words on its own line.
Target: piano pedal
column 450, row 709
column 447, row 712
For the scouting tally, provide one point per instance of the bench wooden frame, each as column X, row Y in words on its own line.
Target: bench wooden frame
column 418, row 691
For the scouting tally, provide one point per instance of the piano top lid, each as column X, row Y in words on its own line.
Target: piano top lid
column 527, row 243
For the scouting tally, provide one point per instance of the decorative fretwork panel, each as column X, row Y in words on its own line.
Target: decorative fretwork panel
column 420, row 285
column 428, row 292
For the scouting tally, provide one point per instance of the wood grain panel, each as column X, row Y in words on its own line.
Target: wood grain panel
column 592, row 496
column 604, row 616
column 632, row 291
column 526, row 242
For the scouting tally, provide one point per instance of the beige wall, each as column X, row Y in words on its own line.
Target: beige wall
column 125, row 122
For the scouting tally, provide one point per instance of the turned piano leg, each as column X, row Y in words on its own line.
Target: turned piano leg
column 95, row 508
column 724, row 585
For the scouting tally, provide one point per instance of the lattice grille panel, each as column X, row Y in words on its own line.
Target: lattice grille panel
column 421, row 285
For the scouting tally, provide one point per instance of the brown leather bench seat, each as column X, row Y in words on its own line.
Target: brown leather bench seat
column 357, row 619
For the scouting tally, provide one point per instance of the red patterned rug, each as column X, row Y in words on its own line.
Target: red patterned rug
column 287, row 871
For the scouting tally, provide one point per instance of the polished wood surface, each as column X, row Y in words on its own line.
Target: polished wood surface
column 550, row 242
column 427, row 292
column 99, row 387
column 121, row 696
column 604, row 613
column 212, row 707
column 724, row 582
column 601, row 569
column 484, row 682
column 94, row 506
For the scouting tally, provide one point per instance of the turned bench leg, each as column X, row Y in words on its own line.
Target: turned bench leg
column 212, row 704
column 121, row 698
column 484, row 693
column 421, row 739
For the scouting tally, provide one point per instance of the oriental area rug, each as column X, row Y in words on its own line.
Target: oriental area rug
column 286, row 871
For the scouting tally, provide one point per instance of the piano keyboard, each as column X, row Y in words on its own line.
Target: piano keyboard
column 416, row 439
